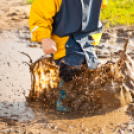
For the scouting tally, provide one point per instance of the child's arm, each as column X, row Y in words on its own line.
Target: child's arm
column 40, row 22
column 104, row 3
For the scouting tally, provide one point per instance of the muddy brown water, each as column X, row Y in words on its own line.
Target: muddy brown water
column 18, row 116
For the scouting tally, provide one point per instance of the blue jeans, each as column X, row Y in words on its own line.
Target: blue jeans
column 67, row 73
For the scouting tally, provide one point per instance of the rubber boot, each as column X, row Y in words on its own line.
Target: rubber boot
column 59, row 103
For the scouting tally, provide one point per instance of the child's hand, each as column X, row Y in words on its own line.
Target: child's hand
column 48, row 46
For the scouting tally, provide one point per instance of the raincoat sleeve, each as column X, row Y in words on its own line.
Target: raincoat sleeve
column 41, row 18
column 104, row 3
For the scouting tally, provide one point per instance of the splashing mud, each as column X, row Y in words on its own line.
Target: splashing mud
column 110, row 86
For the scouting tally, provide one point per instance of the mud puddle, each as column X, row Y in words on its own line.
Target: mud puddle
column 18, row 116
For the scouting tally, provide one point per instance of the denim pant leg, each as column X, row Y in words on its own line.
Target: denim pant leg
column 67, row 73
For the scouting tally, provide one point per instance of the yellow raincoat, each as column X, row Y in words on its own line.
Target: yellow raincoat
column 41, row 20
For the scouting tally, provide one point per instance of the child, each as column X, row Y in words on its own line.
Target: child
column 68, row 29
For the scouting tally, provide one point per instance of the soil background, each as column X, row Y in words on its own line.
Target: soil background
column 19, row 116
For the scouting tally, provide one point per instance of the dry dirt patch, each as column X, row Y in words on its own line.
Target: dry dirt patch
column 13, row 14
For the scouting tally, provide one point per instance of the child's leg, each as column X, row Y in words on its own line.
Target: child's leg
column 67, row 73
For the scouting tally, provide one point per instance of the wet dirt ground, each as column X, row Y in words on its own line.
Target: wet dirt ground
column 19, row 116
